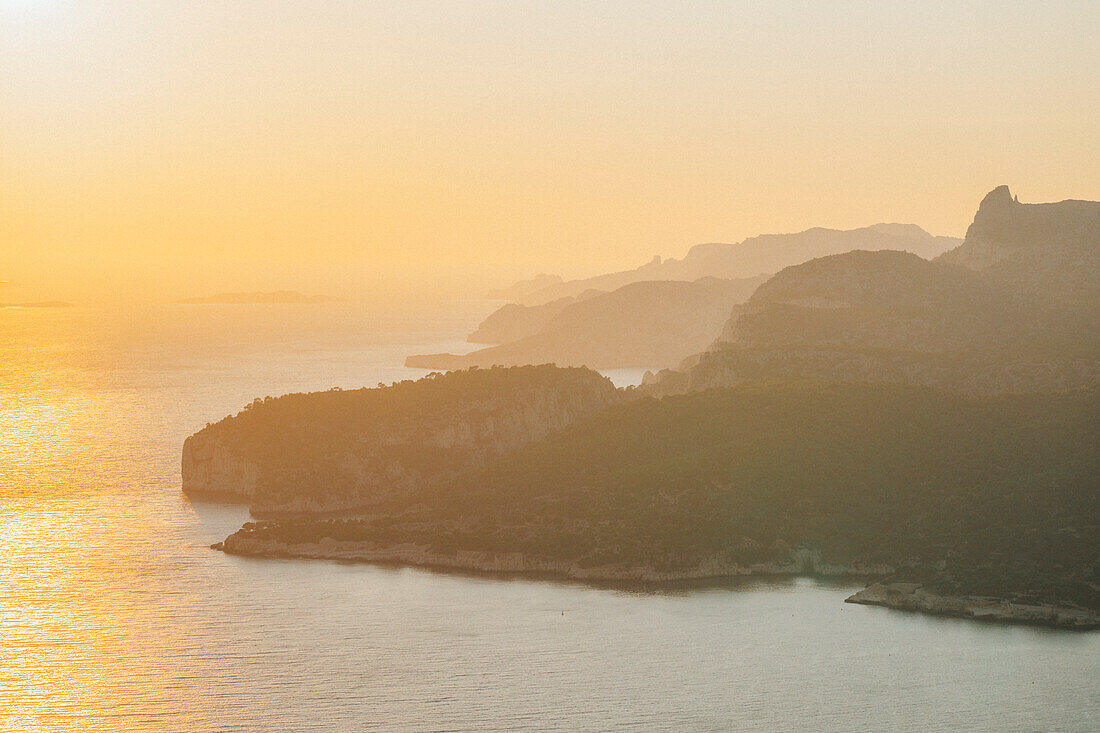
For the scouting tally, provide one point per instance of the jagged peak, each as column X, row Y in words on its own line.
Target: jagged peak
column 998, row 198
column 995, row 209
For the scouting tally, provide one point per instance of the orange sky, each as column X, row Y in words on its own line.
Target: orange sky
column 382, row 149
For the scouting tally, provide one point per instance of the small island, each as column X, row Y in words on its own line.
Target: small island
column 39, row 304
column 260, row 298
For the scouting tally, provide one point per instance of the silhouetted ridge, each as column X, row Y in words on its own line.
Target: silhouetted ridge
column 645, row 324
column 1015, row 308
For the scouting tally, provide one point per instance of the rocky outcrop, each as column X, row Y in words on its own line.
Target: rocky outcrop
column 799, row 562
column 1049, row 253
column 338, row 451
column 213, row 470
column 874, row 300
column 1013, row 309
column 914, row 597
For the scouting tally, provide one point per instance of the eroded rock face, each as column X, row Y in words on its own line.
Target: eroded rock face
column 339, row 451
column 1047, row 252
column 211, row 469
column 1013, row 309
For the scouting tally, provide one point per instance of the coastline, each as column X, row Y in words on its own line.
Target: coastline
column 802, row 562
column 912, row 597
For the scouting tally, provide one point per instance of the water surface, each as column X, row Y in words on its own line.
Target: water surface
column 115, row 614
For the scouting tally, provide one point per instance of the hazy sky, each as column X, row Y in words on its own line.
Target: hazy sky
column 178, row 147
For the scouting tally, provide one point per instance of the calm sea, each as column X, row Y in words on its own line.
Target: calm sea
column 115, row 615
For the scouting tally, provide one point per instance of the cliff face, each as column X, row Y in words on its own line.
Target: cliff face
column 1046, row 252
column 973, row 497
column 646, row 324
column 211, row 469
column 339, row 451
column 1013, row 309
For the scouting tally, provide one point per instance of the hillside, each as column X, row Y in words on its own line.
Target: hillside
column 647, row 324
column 1047, row 252
column 1002, row 313
column 512, row 321
column 755, row 256
column 338, row 450
column 997, row 493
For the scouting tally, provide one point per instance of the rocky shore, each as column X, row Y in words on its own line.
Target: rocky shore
column 799, row 562
column 914, row 597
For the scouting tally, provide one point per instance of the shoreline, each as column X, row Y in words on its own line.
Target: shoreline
column 803, row 563
column 912, row 597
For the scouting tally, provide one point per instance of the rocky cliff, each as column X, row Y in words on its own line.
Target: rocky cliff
column 994, row 497
column 1013, row 309
column 1049, row 253
column 342, row 450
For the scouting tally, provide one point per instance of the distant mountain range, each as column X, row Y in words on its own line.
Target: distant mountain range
column 279, row 296
column 657, row 314
column 1014, row 308
column 643, row 324
column 524, row 287
column 755, row 256
column 931, row 424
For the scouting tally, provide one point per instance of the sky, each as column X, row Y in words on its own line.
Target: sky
column 395, row 150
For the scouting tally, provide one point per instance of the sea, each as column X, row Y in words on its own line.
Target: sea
column 115, row 614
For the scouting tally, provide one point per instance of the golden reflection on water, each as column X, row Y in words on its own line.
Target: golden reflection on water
column 116, row 616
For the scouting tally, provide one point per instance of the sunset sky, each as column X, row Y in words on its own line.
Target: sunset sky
column 398, row 149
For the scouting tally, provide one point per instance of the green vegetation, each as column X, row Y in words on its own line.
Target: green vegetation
column 344, row 446
column 1001, row 489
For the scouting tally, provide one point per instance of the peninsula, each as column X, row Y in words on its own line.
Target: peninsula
column 929, row 426
column 992, row 494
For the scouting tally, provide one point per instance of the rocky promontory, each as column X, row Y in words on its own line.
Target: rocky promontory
column 1013, row 309
column 336, row 451
column 254, row 540
column 644, row 324
column 769, row 479
column 915, row 597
